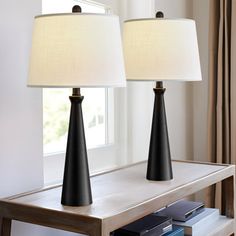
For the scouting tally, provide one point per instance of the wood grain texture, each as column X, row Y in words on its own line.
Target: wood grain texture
column 5, row 227
column 119, row 197
column 55, row 219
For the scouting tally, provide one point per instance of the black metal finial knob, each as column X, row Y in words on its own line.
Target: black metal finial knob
column 159, row 14
column 76, row 8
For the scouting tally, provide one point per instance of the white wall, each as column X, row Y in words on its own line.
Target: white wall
column 20, row 107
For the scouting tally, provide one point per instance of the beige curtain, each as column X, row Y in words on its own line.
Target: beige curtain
column 222, row 90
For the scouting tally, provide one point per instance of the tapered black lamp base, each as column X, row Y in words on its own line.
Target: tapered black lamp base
column 76, row 189
column 159, row 158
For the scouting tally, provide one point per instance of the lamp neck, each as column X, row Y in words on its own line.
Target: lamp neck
column 76, row 92
column 159, row 85
column 159, row 88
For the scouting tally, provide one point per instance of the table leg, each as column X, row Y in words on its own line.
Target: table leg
column 5, row 227
column 228, row 197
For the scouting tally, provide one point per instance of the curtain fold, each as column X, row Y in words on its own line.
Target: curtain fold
column 233, row 82
column 222, row 89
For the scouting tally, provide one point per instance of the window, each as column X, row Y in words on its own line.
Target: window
column 98, row 113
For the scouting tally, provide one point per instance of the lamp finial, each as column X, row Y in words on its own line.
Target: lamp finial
column 159, row 14
column 76, row 8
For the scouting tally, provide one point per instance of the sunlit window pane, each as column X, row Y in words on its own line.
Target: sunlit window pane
column 95, row 116
column 56, row 112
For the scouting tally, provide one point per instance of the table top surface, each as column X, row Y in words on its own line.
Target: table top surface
column 123, row 189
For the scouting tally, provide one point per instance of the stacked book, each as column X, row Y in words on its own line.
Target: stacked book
column 192, row 216
column 151, row 225
column 178, row 219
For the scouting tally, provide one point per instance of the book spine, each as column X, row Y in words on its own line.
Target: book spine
column 159, row 229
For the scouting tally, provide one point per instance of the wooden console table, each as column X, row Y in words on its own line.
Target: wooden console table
column 120, row 197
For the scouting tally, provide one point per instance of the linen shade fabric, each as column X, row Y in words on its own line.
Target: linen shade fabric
column 161, row 49
column 76, row 50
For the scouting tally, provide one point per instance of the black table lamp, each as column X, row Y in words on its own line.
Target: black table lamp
column 76, row 50
column 161, row 49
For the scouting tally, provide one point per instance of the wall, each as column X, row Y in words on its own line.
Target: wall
column 20, row 115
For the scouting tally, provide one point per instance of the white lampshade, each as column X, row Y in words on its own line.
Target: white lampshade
column 76, row 50
column 161, row 49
